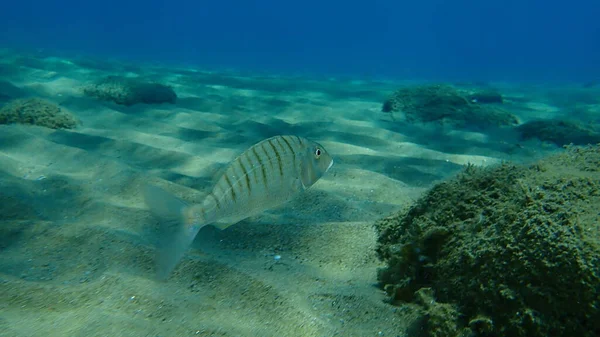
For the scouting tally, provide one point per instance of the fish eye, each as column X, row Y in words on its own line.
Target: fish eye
column 317, row 153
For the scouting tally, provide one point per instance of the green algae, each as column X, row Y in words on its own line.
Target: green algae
column 36, row 111
column 514, row 249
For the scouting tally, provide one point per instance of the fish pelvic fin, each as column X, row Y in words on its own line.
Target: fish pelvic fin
column 179, row 225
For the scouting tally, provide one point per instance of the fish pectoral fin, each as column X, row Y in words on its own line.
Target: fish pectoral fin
column 298, row 185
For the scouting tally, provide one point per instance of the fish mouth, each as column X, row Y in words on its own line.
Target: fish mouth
column 330, row 165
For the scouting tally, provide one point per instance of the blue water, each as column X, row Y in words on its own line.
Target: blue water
column 431, row 39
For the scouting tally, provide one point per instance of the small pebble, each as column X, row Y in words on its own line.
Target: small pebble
column 277, row 257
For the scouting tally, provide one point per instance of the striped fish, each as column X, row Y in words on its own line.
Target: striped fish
column 264, row 176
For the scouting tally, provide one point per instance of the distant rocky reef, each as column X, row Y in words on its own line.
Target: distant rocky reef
column 480, row 109
column 559, row 132
column 445, row 104
column 130, row 91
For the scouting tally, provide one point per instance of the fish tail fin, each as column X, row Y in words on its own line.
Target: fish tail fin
column 179, row 225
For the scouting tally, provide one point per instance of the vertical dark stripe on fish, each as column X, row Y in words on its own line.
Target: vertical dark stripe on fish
column 292, row 151
column 267, row 155
column 217, row 202
column 236, row 176
column 281, row 147
column 277, row 155
column 262, row 166
column 299, row 140
column 253, row 166
column 289, row 146
column 230, row 185
column 246, row 176
column 286, row 153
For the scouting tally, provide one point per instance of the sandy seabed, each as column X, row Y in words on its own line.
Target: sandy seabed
column 77, row 242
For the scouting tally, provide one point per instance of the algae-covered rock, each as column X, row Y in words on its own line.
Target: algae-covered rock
column 130, row 91
column 37, row 111
column 439, row 319
column 559, row 132
column 442, row 99
column 515, row 248
column 443, row 103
